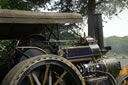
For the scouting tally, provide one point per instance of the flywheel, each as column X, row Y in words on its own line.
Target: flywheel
column 44, row 70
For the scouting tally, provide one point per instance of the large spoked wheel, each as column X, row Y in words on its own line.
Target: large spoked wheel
column 44, row 70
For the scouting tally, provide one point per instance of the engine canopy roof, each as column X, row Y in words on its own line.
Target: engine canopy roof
column 16, row 23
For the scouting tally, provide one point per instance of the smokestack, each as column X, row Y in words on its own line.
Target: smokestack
column 95, row 29
column 99, row 30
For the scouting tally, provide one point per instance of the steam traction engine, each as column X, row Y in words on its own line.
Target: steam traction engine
column 35, row 59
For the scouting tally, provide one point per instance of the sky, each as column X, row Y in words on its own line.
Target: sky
column 118, row 26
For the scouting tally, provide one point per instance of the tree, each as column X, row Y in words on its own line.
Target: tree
column 3, row 3
column 23, row 4
column 90, row 7
column 107, row 7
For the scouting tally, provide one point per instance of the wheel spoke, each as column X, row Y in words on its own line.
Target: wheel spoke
column 30, row 79
column 125, row 82
column 35, row 78
column 62, row 83
column 46, row 74
column 60, row 78
column 50, row 77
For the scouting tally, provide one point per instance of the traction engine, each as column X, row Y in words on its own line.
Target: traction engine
column 35, row 58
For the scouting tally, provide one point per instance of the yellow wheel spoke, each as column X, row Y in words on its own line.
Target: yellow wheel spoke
column 50, row 77
column 126, row 82
column 60, row 78
column 46, row 74
column 30, row 79
column 35, row 78
column 63, row 83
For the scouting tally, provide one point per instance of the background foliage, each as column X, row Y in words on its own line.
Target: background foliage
column 119, row 46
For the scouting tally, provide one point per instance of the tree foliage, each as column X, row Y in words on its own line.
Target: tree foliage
column 119, row 45
column 23, row 4
column 107, row 7
column 3, row 3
